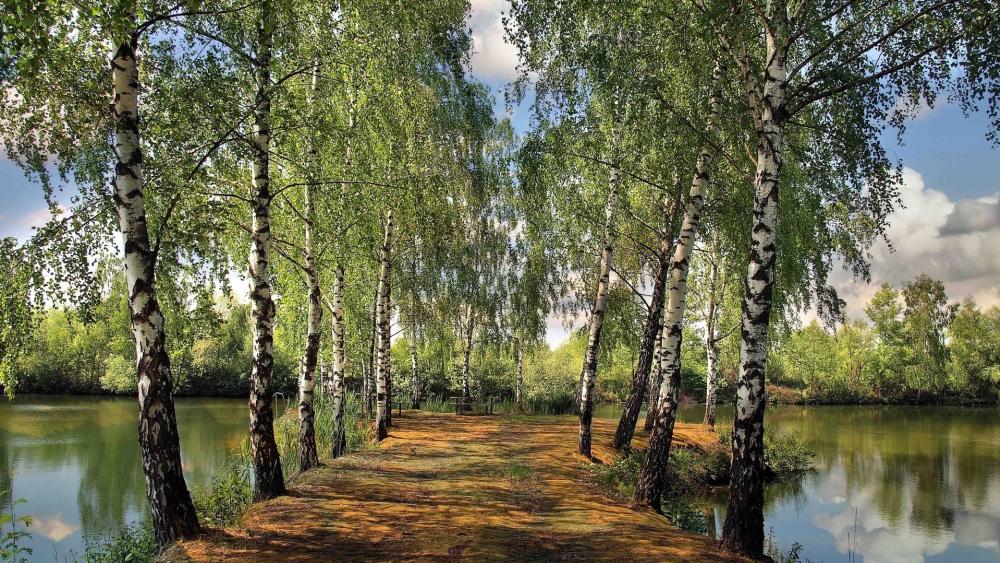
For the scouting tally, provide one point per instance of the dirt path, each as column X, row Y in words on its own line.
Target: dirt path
column 453, row 488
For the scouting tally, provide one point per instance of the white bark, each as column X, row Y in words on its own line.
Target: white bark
column 338, row 432
column 744, row 527
column 170, row 504
column 269, row 480
column 518, row 388
column 711, row 342
column 597, row 316
column 414, row 368
column 382, row 364
column 650, row 485
column 308, row 456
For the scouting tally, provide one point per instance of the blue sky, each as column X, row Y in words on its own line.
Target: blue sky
column 948, row 228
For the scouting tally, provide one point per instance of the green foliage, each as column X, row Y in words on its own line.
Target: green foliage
column 73, row 351
column 359, row 431
column 917, row 348
column 13, row 530
column 119, row 376
column 16, row 311
column 786, row 454
column 134, row 543
column 228, row 495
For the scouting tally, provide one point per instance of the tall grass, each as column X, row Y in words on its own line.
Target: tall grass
column 359, row 432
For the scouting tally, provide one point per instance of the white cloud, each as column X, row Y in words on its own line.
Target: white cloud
column 54, row 527
column 493, row 58
column 22, row 226
column 931, row 234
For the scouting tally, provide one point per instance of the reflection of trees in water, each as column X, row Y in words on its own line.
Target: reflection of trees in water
column 6, row 478
column 112, row 486
column 789, row 490
column 920, row 464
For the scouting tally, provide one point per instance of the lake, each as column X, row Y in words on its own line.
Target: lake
column 75, row 460
column 891, row 483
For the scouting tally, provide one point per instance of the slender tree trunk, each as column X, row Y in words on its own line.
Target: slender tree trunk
column 414, row 367
column 650, row 486
column 467, row 355
column 385, row 337
column 308, row 456
column 597, row 316
column 650, row 333
column 338, row 431
column 372, row 372
column 654, row 384
column 170, row 503
column 743, row 530
column 269, row 481
column 519, row 386
column 382, row 376
column 414, row 335
column 711, row 342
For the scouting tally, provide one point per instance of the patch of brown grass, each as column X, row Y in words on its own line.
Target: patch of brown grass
column 451, row 488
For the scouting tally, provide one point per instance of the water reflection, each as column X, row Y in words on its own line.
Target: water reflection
column 891, row 484
column 76, row 461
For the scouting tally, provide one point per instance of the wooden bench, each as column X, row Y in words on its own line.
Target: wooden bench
column 470, row 405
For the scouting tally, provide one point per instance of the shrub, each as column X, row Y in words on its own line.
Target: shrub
column 135, row 542
column 785, row 454
column 118, row 376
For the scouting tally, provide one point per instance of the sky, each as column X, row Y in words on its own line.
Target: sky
column 949, row 227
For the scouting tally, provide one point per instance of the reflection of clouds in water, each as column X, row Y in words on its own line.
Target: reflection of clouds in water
column 980, row 530
column 860, row 527
column 53, row 527
column 832, row 488
column 877, row 543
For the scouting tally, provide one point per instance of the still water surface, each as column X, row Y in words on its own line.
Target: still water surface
column 75, row 460
column 891, row 483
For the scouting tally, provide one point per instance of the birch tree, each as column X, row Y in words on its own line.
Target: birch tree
column 382, row 374
column 78, row 50
column 818, row 59
column 597, row 316
column 650, row 486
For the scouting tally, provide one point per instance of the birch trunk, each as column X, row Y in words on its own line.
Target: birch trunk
column 371, row 373
column 650, row 486
column 467, row 356
column 640, row 377
column 654, row 384
column 711, row 342
column 170, row 503
column 269, row 481
column 414, row 365
column 382, row 366
column 743, row 530
column 597, row 317
column 338, row 431
column 519, row 386
column 308, row 456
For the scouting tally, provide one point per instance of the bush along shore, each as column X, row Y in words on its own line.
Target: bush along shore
column 695, row 470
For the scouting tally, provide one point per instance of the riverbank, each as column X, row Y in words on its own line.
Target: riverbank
column 784, row 395
column 444, row 487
